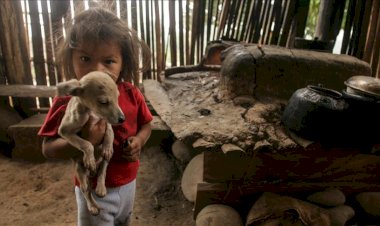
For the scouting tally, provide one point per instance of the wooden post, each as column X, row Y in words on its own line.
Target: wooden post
column 329, row 19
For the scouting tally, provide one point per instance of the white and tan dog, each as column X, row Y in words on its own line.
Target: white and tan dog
column 95, row 94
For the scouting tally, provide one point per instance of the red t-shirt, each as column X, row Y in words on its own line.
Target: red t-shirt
column 132, row 103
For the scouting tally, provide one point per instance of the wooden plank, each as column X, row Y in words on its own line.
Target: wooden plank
column 27, row 90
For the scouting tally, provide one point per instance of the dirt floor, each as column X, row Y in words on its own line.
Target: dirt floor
column 43, row 194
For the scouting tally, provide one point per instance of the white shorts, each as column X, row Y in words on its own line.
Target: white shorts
column 116, row 206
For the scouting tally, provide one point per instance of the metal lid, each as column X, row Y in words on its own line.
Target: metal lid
column 363, row 85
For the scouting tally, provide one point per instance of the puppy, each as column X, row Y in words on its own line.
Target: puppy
column 95, row 94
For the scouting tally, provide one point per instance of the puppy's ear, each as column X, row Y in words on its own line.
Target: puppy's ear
column 71, row 87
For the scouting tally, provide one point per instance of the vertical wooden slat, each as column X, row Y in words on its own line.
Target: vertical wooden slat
column 353, row 44
column 163, row 40
column 15, row 52
column 201, row 26
column 209, row 18
column 278, row 8
column 152, row 71
column 38, row 57
column 4, row 101
column 223, row 18
column 266, row 23
column 363, row 28
column 124, row 11
column 376, row 52
column 142, row 28
column 194, row 31
column 134, row 15
column 216, row 24
column 230, row 19
column 180, row 23
column 371, row 34
column 237, row 27
column 249, row 24
column 245, row 16
column 259, row 17
column 173, row 40
column 58, row 10
column 158, row 52
column 48, row 43
column 78, row 7
column 112, row 6
column 256, row 21
column 301, row 17
column 347, row 26
column 187, row 32
column 287, row 22
column 233, row 17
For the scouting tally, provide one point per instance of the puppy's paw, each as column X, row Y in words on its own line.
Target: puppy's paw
column 94, row 210
column 89, row 162
column 107, row 153
column 101, row 190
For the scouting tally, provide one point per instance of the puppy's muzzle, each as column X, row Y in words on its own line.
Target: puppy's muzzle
column 121, row 119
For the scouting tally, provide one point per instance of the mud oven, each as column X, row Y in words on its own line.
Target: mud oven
column 242, row 164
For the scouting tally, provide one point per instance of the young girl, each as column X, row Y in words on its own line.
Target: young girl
column 99, row 41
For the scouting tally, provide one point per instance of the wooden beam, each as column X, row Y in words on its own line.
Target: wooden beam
column 27, row 91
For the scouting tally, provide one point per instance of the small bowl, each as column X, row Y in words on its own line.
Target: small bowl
column 363, row 85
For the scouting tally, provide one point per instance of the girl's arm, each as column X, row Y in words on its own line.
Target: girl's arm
column 59, row 148
column 132, row 151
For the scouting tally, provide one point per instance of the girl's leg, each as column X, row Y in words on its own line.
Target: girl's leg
column 127, row 198
column 115, row 208
column 108, row 207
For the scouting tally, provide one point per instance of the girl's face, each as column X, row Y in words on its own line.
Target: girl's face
column 104, row 56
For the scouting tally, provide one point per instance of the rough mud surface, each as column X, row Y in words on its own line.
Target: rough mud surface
column 198, row 113
column 43, row 194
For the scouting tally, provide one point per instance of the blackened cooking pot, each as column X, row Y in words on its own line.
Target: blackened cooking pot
column 316, row 113
column 361, row 119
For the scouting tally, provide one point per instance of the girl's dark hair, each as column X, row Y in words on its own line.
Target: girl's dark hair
column 99, row 24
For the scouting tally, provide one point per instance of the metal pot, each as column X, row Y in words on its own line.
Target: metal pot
column 366, row 86
column 361, row 119
column 316, row 113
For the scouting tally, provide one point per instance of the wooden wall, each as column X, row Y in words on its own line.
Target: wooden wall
column 176, row 31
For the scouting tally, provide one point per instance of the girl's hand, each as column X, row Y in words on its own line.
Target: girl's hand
column 131, row 152
column 94, row 130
